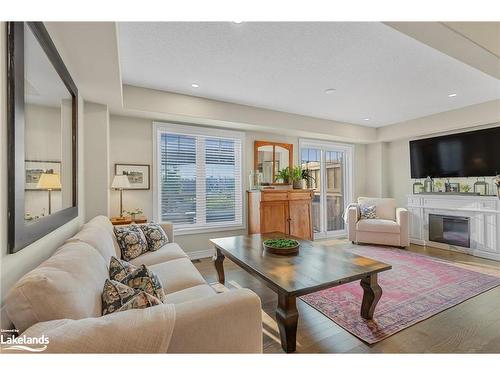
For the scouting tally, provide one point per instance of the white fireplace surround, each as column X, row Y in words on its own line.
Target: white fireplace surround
column 483, row 211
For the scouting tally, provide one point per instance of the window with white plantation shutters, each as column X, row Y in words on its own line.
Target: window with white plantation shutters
column 198, row 177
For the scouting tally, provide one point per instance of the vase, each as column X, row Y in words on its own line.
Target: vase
column 132, row 218
column 298, row 184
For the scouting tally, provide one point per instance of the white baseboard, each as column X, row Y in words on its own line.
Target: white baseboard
column 200, row 254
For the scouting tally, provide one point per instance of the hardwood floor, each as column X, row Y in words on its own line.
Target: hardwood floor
column 470, row 327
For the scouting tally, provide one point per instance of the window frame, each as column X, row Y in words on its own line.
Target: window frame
column 160, row 127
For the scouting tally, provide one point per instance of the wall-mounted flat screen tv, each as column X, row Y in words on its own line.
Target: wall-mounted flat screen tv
column 470, row 154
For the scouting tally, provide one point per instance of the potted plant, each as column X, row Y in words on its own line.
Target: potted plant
column 283, row 175
column 133, row 213
column 308, row 177
column 465, row 188
column 297, row 179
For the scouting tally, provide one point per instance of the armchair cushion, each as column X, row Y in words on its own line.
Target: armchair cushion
column 166, row 253
column 378, row 225
column 386, row 207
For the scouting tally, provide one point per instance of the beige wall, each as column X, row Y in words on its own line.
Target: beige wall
column 13, row 266
column 131, row 142
column 96, row 158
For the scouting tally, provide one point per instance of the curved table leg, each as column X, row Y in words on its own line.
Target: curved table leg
column 371, row 295
column 218, row 262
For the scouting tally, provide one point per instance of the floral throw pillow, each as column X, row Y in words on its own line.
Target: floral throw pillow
column 131, row 241
column 119, row 270
column 120, row 297
column 368, row 212
column 147, row 281
column 155, row 235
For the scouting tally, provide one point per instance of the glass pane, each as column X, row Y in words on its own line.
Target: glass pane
column 178, row 178
column 48, row 135
column 311, row 160
column 265, row 163
column 220, row 172
column 334, row 162
column 281, row 159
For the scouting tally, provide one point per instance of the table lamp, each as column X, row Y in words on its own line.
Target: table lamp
column 120, row 182
column 49, row 182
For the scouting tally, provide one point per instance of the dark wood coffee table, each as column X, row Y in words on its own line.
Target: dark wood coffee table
column 314, row 268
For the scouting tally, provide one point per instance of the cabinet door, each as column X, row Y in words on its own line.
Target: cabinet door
column 300, row 218
column 273, row 217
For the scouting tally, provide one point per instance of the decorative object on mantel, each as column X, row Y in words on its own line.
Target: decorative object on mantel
column 496, row 181
column 119, row 183
column 454, row 187
column 481, row 187
column 428, row 185
column 137, row 174
column 439, row 186
column 133, row 213
column 465, row 188
column 418, row 187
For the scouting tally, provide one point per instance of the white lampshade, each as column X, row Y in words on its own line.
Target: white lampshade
column 120, row 182
column 49, row 181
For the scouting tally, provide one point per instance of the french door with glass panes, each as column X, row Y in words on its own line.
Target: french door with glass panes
column 330, row 167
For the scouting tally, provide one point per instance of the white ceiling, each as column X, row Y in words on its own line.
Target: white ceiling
column 378, row 72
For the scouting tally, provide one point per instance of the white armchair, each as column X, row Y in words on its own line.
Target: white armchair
column 391, row 227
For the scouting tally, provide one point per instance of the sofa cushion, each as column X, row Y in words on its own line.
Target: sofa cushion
column 120, row 297
column 378, row 225
column 386, row 207
column 168, row 252
column 190, row 294
column 119, row 269
column 99, row 238
column 155, row 236
column 103, row 222
column 146, row 280
column 177, row 274
column 131, row 240
column 67, row 285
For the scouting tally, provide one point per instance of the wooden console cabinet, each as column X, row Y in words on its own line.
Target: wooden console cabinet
column 279, row 210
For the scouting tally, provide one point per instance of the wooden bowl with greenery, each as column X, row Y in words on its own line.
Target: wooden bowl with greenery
column 281, row 246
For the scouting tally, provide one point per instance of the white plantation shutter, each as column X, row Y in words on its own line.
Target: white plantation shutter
column 199, row 176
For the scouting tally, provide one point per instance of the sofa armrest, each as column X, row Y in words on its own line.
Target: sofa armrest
column 229, row 322
column 133, row 331
column 168, row 227
column 352, row 219
column 403, row 219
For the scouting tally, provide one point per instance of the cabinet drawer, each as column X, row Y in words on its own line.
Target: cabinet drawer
column 298, row 196
column 269, row 197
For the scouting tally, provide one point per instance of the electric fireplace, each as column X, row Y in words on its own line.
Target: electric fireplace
column 452, row 230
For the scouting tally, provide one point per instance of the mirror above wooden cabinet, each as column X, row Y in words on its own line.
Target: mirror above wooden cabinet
column 270, row 158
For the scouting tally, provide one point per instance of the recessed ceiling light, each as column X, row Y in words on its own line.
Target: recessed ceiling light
column 452, row 95
column 195, row 85
column 366, row 119
column 329, row 91
column 238, row 22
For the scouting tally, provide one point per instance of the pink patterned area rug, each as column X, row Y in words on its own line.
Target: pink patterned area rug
column 416, row 288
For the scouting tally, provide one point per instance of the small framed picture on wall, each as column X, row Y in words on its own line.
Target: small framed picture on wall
column 138, row 175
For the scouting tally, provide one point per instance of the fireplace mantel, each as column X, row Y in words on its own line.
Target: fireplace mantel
column 483, row 211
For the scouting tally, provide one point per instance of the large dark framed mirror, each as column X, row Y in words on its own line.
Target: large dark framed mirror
column 42, row 118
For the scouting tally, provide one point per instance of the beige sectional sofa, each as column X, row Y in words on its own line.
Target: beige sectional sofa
column 61, row 299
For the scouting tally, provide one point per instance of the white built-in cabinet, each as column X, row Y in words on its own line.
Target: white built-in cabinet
column 484, row 219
